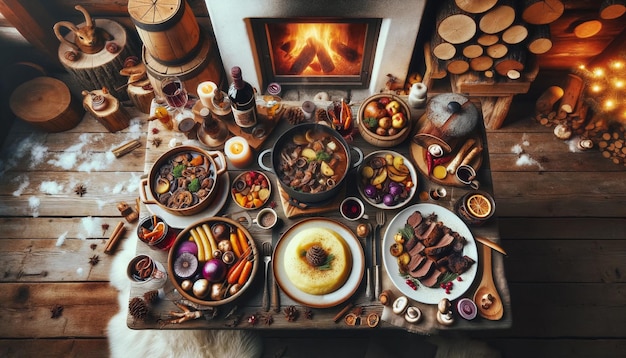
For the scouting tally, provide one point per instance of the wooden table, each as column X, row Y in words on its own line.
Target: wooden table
column 250, row 303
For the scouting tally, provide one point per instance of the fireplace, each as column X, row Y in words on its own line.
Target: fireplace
column 387, row 29
column 325, row 52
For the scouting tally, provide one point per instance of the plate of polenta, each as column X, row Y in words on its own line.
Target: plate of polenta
column 318, row 262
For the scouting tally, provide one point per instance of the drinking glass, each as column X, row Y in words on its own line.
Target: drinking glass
column 174, row 92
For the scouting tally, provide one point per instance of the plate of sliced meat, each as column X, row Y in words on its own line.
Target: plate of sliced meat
column 429, row 253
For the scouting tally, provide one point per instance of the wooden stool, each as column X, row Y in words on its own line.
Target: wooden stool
column 47, row 103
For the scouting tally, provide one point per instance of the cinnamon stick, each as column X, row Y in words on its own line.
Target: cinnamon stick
column 126, row 148
column 343, row 312
column 115, row 238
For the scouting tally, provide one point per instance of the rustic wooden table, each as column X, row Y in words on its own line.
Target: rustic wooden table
column 323, row 318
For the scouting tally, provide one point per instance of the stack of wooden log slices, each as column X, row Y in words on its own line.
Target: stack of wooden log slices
column 491, row 36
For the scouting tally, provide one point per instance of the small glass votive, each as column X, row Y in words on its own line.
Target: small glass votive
column 238, row 151
column 206, row 91
column 156, row 233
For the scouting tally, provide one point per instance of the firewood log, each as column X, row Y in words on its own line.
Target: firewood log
column 472, row 51
column 541, row 12
column 481, row 63
column 546, row 101
column 475, row 6
column 345, row 51
column 539, row 40
column 514, row 59
column 497, row 50
column 515, row 34
column 499, row 18
column 487, row 39
column 457, row 65
column 441, row 48
column 571, row 95
column 323, row 56
column 304, row 59
column 453, row 25
column 612, row 9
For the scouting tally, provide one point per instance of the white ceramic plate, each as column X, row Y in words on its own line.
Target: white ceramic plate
column 181, row 221
column 412, row 171
column 426, row 294
column 319, row 301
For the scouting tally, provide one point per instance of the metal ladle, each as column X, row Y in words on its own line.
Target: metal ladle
column 486, row 296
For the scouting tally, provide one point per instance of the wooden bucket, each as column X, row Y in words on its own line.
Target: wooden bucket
column 169, row 29
column 46, row 103
column 205, row 66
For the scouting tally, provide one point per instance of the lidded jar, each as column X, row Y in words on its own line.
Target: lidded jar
column 449, row 117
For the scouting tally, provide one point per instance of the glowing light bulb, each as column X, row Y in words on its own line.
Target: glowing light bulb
column 609, row 104
column 596, row 88
column 619, row 84
column 581, row 67
column 598, row 72
column 618, row 65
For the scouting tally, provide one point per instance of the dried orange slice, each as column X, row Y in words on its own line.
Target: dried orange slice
column 479, row 206
column 440, row 172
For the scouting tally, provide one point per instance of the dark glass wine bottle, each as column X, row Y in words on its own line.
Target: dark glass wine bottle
column 242, row 100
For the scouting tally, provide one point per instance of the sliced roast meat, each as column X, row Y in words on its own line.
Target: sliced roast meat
column 431, row 281
column 416, row 262
column 458, row 264
column 410, row 243
column 417, row 249
column 459, row 242
column 434, row 235
column 425, row 230
column 415, row 219
column 426, row 269
column 444, row 245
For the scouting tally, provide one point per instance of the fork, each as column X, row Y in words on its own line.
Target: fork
column 380, row 222
column 266, row 249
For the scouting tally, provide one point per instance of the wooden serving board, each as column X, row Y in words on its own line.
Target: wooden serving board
column 292, row 211
column 269, row 123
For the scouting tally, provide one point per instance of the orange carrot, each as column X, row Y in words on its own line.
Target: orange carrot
column 243, row 240
column 245, row 274
column 235, row 271
column 235, row 244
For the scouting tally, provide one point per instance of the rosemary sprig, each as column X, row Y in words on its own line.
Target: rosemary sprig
column 326, row 265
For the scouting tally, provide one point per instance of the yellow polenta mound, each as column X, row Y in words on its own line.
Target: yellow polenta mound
column 314, row 280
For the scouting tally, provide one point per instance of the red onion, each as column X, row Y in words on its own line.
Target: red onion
column 214, row 270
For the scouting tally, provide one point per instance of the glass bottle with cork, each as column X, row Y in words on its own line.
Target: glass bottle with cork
column 242, row 101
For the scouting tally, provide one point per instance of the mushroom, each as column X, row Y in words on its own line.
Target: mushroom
column 400, row 304
column 444, row 313
column 413, row 314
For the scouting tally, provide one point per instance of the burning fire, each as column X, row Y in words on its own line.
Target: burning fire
column 317, row 49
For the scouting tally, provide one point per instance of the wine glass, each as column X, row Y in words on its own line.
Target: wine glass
column 174, row 92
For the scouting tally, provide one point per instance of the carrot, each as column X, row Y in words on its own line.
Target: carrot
column 235, row 244
column 245, row 274
column 235, row 271
column 243, row 241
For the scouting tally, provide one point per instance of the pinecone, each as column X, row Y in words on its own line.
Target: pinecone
column 151, row 296
column 291, row 313
column 294, row 115
column 308, row 314
column 316, row 256
column 321, row 115
column 138, row 308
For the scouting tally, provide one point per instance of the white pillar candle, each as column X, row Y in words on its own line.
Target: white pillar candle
column 205, row 93
column 238, row 152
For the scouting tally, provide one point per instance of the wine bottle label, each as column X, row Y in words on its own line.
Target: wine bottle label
column 245, row 117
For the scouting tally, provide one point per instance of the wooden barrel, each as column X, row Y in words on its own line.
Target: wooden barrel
column 205, row 66
column 168, row 29
column 46, row 103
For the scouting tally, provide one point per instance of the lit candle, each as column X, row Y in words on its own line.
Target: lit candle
column 205, row 93
column 238, row 152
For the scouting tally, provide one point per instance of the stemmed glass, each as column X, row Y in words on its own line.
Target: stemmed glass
column 176, row 97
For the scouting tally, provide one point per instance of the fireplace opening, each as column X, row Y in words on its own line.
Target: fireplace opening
column 315, row 51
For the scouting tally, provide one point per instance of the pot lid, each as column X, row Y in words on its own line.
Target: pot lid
column 453, row 114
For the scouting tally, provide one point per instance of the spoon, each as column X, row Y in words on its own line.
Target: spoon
column 486, row 297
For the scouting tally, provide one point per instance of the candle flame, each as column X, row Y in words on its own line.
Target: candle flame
column 598, row 72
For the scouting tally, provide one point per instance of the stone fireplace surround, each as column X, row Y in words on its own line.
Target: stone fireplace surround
column 398, row 33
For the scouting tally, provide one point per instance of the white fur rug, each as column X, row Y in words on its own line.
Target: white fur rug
column 125, row 342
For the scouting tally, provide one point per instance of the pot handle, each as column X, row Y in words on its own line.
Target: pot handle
column 360, row 153
column 222, row 166
column 142, row 193
column 260, row 160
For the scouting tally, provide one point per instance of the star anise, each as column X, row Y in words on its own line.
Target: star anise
column 308, row 314
column 268, row 319
column 56, row 311
column 291, row 313
column 105, row 227
column 80, row 190
column 93, row 246
column 93, row 260
column 156, row 142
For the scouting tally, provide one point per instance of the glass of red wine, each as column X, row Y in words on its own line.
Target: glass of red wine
column 174, row 92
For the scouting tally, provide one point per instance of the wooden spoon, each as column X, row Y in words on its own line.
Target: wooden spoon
column 494, row 310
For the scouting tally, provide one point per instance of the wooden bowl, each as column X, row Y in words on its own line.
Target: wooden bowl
column 186, row 235
column 384, row 141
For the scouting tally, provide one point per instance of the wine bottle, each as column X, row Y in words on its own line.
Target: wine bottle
column 242, row 100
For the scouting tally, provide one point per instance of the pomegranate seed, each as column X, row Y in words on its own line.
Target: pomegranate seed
column 459, row 278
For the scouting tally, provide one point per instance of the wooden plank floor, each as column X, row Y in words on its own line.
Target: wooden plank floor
column 562, row 220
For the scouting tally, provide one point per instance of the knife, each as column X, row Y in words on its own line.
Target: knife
column 377, row 253
column 275, row 298
column 369, row 289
